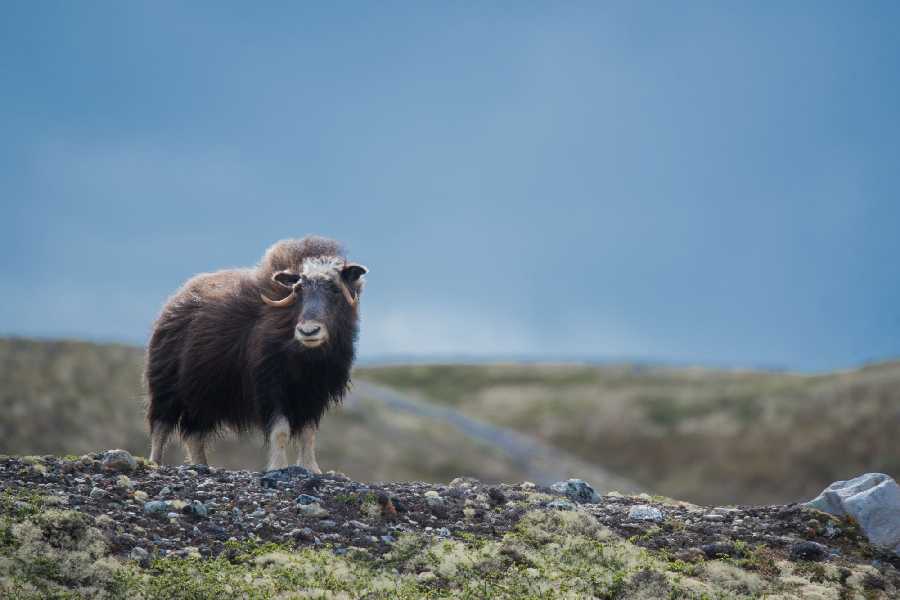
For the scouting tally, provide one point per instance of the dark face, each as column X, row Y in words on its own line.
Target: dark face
column 326, row 295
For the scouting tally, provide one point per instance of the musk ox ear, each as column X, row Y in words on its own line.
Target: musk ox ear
column 286, row 278
column 352, row 274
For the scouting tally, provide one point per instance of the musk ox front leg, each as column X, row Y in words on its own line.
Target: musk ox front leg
column 307, row 456
column 279, row 437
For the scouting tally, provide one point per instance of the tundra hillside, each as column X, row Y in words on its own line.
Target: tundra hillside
column 696, row 434
column 705, row 435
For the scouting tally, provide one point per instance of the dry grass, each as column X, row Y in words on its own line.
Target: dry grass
column 703, row 435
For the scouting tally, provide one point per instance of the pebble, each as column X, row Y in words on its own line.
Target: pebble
column 313, row 510
column 812, row 551
column 140, row 496
column 118, row 460
column 307, row 499
column 577, row 490
column 97, row 493
column 196, row 509
column 644, row 512
column 156, row 507
column 140, row 555
column 425, row 577
column 283, row 477
column 561, row 505
column 714, row 517
column 388, row 539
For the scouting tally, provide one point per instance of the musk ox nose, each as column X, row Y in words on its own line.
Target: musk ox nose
column 307, row 329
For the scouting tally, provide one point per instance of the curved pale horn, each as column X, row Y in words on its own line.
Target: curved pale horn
column 347, row 294
column 287, row 301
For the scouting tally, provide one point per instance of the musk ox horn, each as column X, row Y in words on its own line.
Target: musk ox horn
column 351, row 300
column 287, row 301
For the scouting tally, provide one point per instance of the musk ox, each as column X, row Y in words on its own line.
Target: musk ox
column 269, row 347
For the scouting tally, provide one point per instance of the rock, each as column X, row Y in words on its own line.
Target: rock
column 283, row 477
column 122, row 481
column 719, row 550
column 118, row 460
column 97, row 493
column 140, row 496
column 155, row 507
column 691, row 555
column 873, row 500
column 808, row 551
column 496, row 496
column 196, row 509
column 644, row 512
column 388, row 539
column 140, row 555
column 714, row 517
column 307, row 499
column 313, row 510
column 442, row 532
column 561, row 505
column 425, row 577
column 577, row 490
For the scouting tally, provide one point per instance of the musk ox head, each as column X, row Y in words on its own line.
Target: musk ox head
column 320, row 289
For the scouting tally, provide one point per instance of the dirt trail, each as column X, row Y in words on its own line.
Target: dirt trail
column 543, row 463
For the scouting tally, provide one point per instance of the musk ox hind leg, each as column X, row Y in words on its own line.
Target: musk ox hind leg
column 159, row 437
column 195, row 447
column 307, row 456
column 279, row 437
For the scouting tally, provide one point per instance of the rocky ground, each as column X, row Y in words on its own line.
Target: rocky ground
column 111, row 525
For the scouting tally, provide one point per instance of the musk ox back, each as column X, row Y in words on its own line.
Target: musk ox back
column 269, row 348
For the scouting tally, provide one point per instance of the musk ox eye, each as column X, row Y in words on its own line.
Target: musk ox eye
column 286, row 278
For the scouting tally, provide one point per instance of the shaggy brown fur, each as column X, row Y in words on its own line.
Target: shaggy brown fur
column 220, row 357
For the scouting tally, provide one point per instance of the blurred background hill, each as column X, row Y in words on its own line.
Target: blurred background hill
column 706, row 435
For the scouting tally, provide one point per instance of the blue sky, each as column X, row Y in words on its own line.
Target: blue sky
column 712, row 183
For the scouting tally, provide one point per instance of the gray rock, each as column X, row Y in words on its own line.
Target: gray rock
column 644, row 512
column 719, row 550
column 196, row 509
column 283, row 477
column 118, row 460
column 313, row 510
column 155, row 507
column 561, row 505
column 873, row 500
column 808, row 551
column 388, row 539
column 577, row 490
column 97, row 493
column 307, row 499
column 140, row 555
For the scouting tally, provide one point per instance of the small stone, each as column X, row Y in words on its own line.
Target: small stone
column 690, row 555
column 140, row 496
column 561, row 505
column 645, row 512
column 327, row 524
column 577, row 490
column 283, row 477
column 313, row 510
column 388, row 539
column 178, row 504
column 442, row 532
column 156, row 507
column 165, row 491
column 140, row 556
column 97, row 493
column 307, row 499
column 118, row 460
column 527, row 485
column 122, row 481
column 719, row 550
column 714, row 517
column 496, row 496
column 358, row 525
column 196, row 509
column 104, row 520
column 426, row 577
column 812, row 551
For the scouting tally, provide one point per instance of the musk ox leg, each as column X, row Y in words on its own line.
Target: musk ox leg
column 279, row 438
column 307, row 456
column 159, row 437
column 196, row 449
